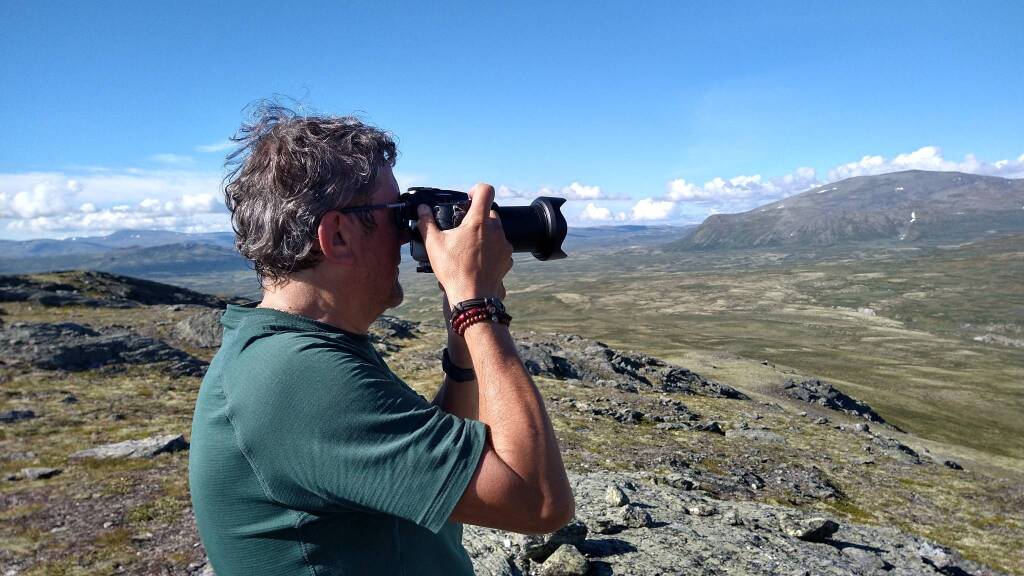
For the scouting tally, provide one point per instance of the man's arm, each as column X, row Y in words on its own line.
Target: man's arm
column 459, row 398
column 520, row 483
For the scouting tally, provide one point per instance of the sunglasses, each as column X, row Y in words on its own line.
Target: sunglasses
column 397, row 211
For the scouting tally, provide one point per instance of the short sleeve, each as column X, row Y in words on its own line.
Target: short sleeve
column 347, row 435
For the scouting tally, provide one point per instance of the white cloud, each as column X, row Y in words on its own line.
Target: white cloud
column 577, row 191
column 216, row 146
column 651, row 209
column 595, row 213
column 928, row 158
column 98, row 201
column 742, row 187
column 743, row 192
column 46, row 197
column 173, row 159
column 574, row 191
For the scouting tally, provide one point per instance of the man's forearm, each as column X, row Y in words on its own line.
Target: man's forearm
column 513, row 409
column 459, row 398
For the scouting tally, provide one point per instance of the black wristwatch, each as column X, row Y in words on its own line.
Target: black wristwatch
column 453, row 371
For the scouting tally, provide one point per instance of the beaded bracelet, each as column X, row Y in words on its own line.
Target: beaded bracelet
column 477, row 310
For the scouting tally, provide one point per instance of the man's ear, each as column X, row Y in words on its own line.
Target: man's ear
column 334, row 234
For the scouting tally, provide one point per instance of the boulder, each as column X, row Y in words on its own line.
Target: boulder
column 814, row 529
column 539, row 547
column 824, row 394
column 571, row 357
column 15, row 415
column 200, row 330
column 144, row 448
column 565, row 561
column 40, row 473
column 73, row 347
column 615, row 497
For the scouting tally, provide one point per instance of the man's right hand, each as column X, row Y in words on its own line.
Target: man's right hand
column 471, row 259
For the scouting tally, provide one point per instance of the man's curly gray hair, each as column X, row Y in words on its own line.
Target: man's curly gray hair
column 288, row 171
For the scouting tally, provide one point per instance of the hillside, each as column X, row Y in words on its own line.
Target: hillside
column 674, row 472
column 899, row 208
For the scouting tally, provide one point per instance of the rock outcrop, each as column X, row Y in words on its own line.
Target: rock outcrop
column 824, row 394
column 687, row 532
column 201, row 329
column 73, row 347
column 144, row 448
column 99, row 289
column 595, row 363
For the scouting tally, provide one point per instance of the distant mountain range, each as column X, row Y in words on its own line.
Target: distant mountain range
column 915, row 206
column 157, row 253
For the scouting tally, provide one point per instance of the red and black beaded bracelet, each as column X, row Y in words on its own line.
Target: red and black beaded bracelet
column 469, row 312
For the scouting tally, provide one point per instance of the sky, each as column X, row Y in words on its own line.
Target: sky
column 118, row 114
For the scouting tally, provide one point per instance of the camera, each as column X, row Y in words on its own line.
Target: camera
column 538, row 228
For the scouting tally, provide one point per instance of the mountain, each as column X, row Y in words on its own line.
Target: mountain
column 118, row 240
column 180, row 258
column 901, row 207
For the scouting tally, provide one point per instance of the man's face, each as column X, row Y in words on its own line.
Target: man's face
column 382, row 249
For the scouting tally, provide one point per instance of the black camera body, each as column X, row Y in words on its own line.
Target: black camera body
column 538, row 228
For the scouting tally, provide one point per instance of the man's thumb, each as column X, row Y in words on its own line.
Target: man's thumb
column 426, row 222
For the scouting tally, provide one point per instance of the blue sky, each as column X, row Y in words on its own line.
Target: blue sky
column 116, row 113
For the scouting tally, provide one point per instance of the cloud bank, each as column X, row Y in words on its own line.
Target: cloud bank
column 101, row 201
column 95, row 200
column 744, row 192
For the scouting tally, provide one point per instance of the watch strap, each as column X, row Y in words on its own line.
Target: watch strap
column 453, row 371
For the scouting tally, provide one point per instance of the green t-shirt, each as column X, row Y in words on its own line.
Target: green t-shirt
column 309, row 456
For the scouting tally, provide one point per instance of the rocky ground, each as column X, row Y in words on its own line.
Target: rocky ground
column 674, row 473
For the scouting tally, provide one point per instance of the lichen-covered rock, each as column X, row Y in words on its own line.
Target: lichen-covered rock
column 814, row 529
column 826, row 395
column 565, row 561
column 744, row 537
column 615, row 497
column 144, row 448
column 594, row 363
column 200, row 330
column 539, row 547
column 40, row 473
column 73, row 347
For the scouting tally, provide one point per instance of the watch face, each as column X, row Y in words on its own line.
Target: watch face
column 497, row 304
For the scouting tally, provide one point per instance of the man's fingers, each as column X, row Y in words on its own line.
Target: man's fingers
column 483, row 196
column 426, row 223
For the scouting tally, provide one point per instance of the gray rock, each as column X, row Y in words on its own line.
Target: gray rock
column 565, row 561
column 702, row 510
column 200, row 330
column 632, row 516
column 144, row 448
column 744, row 539
column 570, row 357
column 756, row 435
column 814, row 529
column 711, row 426
column 615, row 496
column 40, row 473
column 539, row 547
column 865, row 561
column 16, row 415
column 861, row 427
column 824, row 394
column 73, row 347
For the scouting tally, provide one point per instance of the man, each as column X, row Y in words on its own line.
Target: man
column 309, row 456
